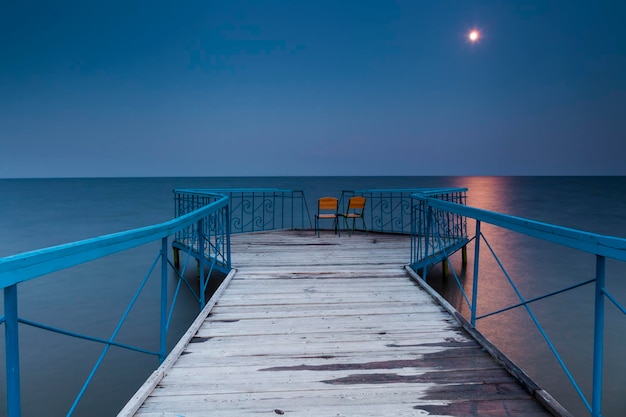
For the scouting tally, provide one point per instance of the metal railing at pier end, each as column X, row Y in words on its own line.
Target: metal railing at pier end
column 251, row 209
column 391, row 210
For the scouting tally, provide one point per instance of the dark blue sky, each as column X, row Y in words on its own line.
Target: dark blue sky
column 212, row 88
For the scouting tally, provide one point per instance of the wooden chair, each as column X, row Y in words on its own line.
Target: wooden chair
column 356, row 209
column 327, row 208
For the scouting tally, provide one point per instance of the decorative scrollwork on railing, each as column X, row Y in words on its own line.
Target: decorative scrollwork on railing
column 236, row 223
column 258, row 222
column 436, row 232
column 246, row 205
column 387, row 211
column 268, row 205
column 254, row 210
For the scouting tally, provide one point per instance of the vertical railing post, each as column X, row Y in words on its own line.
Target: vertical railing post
column 14, row 406
column 201, row 263
column 475, row 277
column 293, row 208
column 282, row 208
column 458, row 227
column 413, row 231
column 253, row 211
column 429, row 212
column 163, row 319
column 228, row 231
column 262, row 205
column 598, row 337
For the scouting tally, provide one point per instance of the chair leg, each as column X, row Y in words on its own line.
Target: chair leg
column 353, row 228
column 335, row 226
column 348, row 228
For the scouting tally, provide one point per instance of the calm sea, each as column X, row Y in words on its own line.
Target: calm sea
column 91, row 298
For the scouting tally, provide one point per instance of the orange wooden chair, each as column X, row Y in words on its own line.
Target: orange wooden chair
column 327, row 208
column 356, row 209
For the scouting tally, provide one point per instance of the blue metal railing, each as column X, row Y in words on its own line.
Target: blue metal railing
column 433, row 210
column 208, row 225
column 436, row 234
column 391, row 210
column 251, row 209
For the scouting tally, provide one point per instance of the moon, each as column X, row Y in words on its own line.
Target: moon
column 473, row 36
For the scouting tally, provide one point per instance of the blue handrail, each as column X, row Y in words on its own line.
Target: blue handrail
column 601, row 246
column 23, row 267
column 28, row 265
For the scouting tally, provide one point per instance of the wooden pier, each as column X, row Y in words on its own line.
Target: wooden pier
column 330, row 326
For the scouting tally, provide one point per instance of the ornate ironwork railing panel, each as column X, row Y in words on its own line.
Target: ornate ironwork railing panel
column 602, row 247
column 251, row 209
column 390, row 210
column 437, row 233
column 207, row 225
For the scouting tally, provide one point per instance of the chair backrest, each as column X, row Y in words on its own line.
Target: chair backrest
column 356, row 204
column 327, row 204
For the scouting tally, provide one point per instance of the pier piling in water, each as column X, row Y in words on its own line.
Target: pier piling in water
column 176, row 258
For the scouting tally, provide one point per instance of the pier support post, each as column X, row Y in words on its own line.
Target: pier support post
column 464, row 255
column 176, row 258
column 426, row 242
column 12, row 352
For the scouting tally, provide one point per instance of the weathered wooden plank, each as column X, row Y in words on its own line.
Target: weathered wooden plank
column 311, row 309
column 266, row 284
column 241, row 328
column 242, row 383
column 512, row 408
column 324, row 353
column 462, row 359
column 348, row 402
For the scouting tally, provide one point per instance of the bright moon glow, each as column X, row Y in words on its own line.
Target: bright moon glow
column 474, row 35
